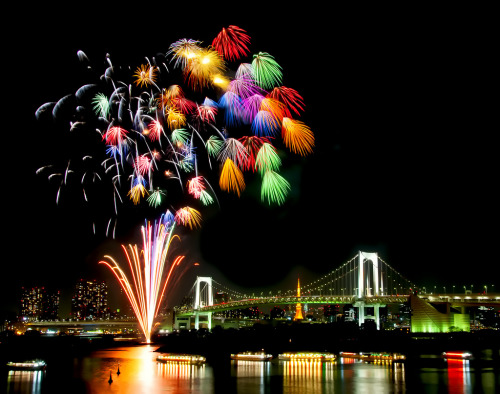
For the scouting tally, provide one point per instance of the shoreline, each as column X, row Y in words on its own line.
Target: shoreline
column 219, row 344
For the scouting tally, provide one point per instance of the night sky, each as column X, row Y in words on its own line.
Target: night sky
column 405, row 162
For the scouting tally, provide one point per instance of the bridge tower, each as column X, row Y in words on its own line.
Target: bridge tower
column 200, row 302
column 298, row 310
column 368, row 285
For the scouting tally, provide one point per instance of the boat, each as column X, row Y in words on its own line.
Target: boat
column 314, row 356
column 31, row 365
column 252, row 356
column 457, row 355
column 181, row 358
column 392, row 357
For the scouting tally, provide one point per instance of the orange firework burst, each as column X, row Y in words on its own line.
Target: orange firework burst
column 297, row 136
column 231, row 178
column 145, row 75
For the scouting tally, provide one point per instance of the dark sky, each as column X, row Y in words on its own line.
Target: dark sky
column 405, row 163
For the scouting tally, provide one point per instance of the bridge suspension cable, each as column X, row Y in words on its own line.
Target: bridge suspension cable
column 357, row 277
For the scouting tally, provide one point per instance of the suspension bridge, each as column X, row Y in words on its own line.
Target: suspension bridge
column 366, row 282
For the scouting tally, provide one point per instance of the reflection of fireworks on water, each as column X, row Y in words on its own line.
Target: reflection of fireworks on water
column 143, row 140
column 151, row 271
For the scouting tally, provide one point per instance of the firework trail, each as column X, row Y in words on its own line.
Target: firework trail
column 151, row 271
column 163, row 133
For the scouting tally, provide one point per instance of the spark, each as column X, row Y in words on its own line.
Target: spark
column 183, row 51
column 214, row 145
column 114, row 135
column 138, row 190
column 196, row 186
column 234, row 150
column 155, row 130
column 101, row 105
column 156, row 197
column 188, row 216
column 207, row 113
column 274, row 188
column 265, row 124
column 232, row 42
column 252, row 145
column 290, row 97
column 297, row 136
column 266, row 71
column 152, row 272
column 202, row 68
column 231, row 178
column 145, row 75
column 267, row 158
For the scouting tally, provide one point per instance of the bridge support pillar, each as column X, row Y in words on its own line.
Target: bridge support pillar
column 197, row 319
column 376, row 312
column 362, row 316
column 361, row 313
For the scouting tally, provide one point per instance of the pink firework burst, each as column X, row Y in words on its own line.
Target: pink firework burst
column 143, row 164
column 196, row 186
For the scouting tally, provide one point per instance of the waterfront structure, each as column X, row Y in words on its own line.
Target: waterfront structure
column 90, row 300
column 365, row 290
column 298, row 309
column 38, row 303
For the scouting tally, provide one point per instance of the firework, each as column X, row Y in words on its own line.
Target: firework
column 232, row 42
column 185, row 119
column 150, row 271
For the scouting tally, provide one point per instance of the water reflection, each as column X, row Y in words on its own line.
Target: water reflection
column 141, row 373
column 24, row 381
column 458, row 376
column 310, row 376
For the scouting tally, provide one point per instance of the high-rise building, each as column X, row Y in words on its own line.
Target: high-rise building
column 38, row 303
column 90, row 300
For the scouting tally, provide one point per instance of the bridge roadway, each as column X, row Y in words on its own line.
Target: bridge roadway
column 289, row 300
column 453, row 299
column 492, row 299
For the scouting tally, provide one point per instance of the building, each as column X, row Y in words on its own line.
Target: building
column 90, row 300
column 38, row 303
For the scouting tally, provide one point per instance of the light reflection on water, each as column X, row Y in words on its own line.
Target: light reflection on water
column 24, row 381
column 141, row 373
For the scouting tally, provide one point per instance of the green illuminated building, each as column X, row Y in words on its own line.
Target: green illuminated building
column 427, row 318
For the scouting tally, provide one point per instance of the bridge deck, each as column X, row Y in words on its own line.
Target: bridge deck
column 288, row 300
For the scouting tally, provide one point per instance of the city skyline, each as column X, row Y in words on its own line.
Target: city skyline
column 397, row 168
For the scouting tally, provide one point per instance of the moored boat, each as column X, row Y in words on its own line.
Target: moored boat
column 181, row 358
column 31, row 365
column 457, row 355
column 315, row 356
column 391, row 357
column 252, row 356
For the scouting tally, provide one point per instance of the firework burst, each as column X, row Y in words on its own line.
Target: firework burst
column 195, row 115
